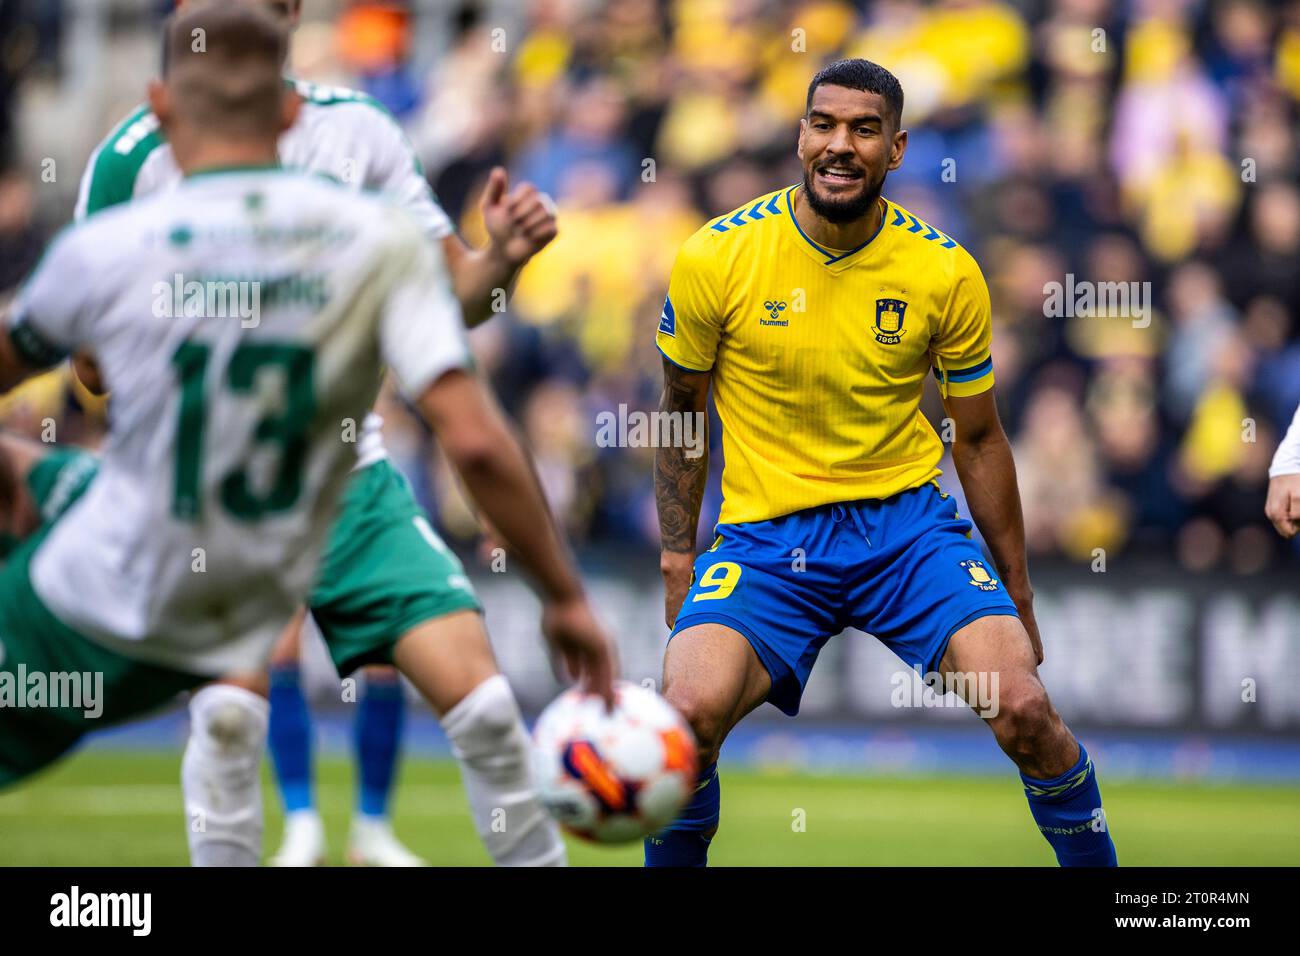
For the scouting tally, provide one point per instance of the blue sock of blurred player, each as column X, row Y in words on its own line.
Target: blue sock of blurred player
column 1068, row 811
column 378, row 741
column 686, row 841
column 290, row 739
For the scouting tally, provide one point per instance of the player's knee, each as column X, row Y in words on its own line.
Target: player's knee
column 231, row 720
column 498, row 714
column 487, row 721
column 1025, row 718
column 704, row 719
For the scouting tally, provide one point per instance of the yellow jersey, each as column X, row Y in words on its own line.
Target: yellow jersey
column 819, row 356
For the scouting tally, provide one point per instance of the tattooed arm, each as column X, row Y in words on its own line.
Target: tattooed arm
column 679, row 485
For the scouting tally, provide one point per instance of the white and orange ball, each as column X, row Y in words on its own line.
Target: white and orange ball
column 613, row 776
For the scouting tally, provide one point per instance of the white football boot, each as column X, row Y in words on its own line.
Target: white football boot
column 373, row 843
column 304, row 840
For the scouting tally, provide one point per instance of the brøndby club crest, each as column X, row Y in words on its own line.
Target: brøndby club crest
column 889, row 320
column 979, row 575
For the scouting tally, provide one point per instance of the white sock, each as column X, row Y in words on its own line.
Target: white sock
column 488, row 738
column 220, row 776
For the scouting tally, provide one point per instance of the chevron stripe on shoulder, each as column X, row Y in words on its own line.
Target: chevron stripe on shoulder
column 764, row 207
column 904, row 220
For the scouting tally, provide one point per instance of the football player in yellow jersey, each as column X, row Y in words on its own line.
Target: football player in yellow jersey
column 815, row 313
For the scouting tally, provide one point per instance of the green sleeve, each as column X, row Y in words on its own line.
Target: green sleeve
column 55, row 481
column 59, row 479
column 110, row 177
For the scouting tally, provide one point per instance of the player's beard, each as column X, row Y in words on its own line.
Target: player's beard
column 840, row 211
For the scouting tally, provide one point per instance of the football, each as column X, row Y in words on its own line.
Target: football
column 613, row 776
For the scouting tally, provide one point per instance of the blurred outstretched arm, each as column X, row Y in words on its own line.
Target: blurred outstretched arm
column 499, row 476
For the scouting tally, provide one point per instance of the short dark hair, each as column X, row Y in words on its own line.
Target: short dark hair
column 234, row 30
column 861, row 75
column 224, row 62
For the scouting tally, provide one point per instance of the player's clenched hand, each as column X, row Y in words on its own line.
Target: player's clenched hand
column 676, row 567
column 520, row 222
column 1283, row 505
column 581, row 643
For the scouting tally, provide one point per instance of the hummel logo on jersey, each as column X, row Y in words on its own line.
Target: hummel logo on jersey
column 774, row 309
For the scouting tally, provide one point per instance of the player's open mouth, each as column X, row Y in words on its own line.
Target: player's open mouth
column 838, row 175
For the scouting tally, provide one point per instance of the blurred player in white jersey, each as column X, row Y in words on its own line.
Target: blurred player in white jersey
column 1283, row 504
column 184, row 555
column 386, row 571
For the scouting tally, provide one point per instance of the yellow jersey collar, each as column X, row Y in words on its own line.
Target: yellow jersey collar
column 830, row 257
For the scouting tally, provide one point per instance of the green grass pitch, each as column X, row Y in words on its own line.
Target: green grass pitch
column 104, row 808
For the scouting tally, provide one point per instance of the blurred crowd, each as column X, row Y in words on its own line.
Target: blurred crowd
column 1061, row 141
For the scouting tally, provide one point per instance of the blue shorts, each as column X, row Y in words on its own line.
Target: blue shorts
column 904, row 569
